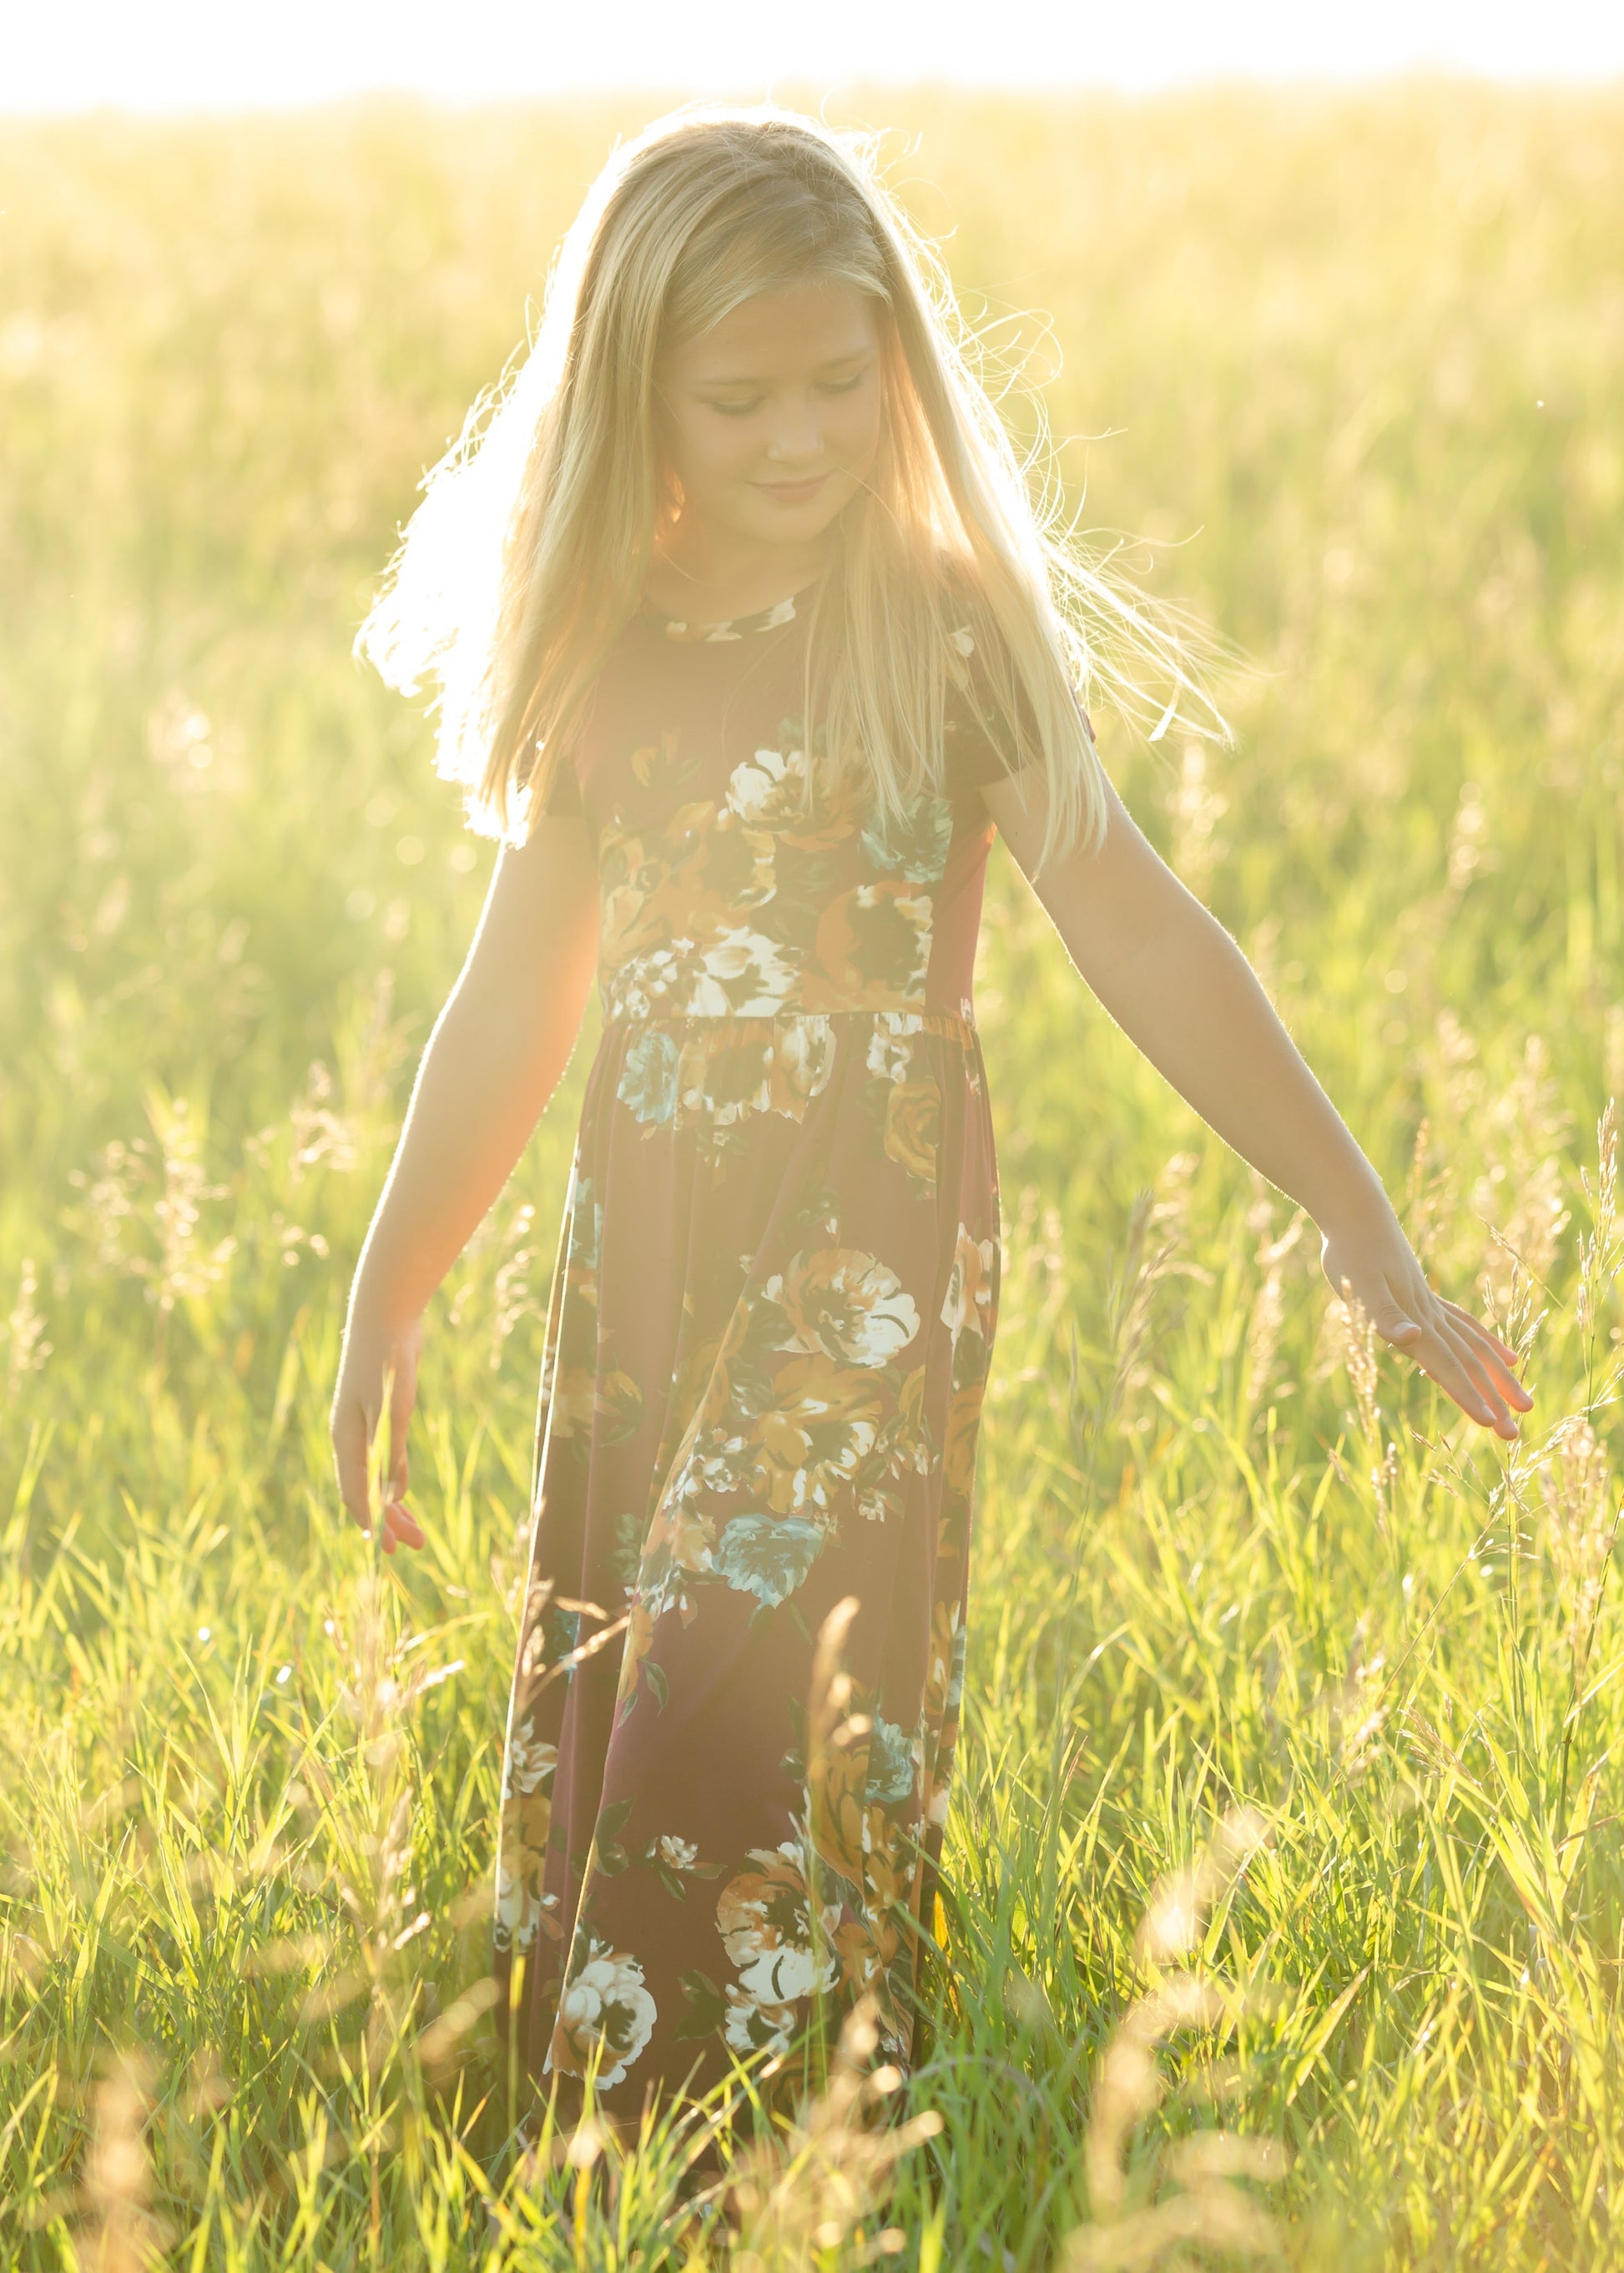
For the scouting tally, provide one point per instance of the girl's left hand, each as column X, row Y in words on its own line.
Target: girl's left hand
column 1377, row 1267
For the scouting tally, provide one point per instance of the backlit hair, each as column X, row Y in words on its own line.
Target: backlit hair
column 527, row 555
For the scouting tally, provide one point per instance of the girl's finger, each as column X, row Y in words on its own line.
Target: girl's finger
column 402, row 1397
column 1490, row 1351
column 1485, row 1403
column 1443, row 1361
column 1478, row 1327
column 400, row 1523
column 351, row 1435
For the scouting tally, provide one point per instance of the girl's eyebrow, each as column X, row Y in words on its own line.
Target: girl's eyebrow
column 753, row 379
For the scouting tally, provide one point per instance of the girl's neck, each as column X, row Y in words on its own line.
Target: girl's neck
column 705, row 580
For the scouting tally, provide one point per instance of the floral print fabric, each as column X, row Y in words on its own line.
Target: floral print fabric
column 765, row 1352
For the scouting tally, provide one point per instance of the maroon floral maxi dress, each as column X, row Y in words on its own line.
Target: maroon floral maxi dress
column 765, row 1349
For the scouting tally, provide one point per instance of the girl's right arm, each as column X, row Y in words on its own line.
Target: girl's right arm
column 496, row 1053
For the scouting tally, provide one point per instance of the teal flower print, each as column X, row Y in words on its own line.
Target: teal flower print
column 648, row 1077
column 918, row 849
column 766, row 1556
column 891, row 1763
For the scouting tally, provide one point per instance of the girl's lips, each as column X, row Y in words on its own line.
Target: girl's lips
column 791, row 492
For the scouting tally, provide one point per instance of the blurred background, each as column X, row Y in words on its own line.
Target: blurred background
column 183, row 54
column 1324, row 314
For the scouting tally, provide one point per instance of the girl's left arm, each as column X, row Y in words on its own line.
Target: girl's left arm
column 1178, row 985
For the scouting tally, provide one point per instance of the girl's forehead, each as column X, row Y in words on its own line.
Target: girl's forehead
column 808, row 323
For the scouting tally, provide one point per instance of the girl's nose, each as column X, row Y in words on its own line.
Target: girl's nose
column 798, row 438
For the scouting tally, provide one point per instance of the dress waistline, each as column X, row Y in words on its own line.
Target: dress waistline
column 890, row 1019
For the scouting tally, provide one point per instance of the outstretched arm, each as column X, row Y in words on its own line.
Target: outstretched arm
column 493, row 1060
column 1178, row 985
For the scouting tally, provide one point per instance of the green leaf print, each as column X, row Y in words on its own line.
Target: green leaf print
column 707, row 2007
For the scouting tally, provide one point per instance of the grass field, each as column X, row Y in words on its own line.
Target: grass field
column 1268, row 1642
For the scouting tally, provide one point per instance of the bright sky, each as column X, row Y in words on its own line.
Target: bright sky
column 178, row 55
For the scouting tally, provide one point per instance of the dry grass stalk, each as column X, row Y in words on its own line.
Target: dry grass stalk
column 1601, row 1252
column 1360, row 1705
column 119, row 2233
column 1269, row 1309
column 1354, row 1343
column 1208, row 2207
column 1576, row 1486
column 318, row 1132
column 1352, row 1335
column 26, row 1348
column 807, row 2190
column 515, row 1280
column 184, row 1266
column 1153, row 1250
column 1535, row 1125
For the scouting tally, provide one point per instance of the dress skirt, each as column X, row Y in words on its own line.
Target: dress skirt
column 765, row 1352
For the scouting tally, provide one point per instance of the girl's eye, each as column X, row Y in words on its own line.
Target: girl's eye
column 831, row 386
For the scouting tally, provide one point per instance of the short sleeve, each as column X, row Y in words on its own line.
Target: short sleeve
column 565, row 794
column 973, row 756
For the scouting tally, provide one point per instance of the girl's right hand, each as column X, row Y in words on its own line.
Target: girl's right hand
column 374, row 1353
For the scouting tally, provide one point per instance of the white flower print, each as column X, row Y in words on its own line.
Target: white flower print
column 742, row 973
column 607, row 2003
column 765, row 790
column 805, row 1045
column 752, row 2026
column 531, row 1762
column 968, row 1299
column 515, row 1906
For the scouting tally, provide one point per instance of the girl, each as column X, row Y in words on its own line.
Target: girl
column 746, row 636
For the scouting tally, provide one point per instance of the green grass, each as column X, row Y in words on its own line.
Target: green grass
column 1355, row 373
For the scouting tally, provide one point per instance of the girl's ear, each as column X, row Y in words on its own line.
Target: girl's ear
column 671, row 500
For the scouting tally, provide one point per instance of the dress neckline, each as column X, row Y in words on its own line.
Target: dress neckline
column 729, row 627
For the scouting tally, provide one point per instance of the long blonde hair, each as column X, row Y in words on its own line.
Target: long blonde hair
column 527, row 556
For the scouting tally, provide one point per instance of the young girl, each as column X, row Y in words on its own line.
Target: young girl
column 746, row 636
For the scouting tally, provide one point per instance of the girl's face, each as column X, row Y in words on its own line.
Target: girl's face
column 770, row 420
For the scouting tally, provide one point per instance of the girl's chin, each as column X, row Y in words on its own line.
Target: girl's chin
column 793, row 519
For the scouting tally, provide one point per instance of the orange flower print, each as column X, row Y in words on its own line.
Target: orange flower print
column 844, row 1302
column 628, row 924
column 820, row 1422
column 661, row 761
column 964, row 1417
column 766, row 1918
column 574, row 1401
column 837, row 1784
column 913, row 1127
column 873, row 948
column 639, row 1641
